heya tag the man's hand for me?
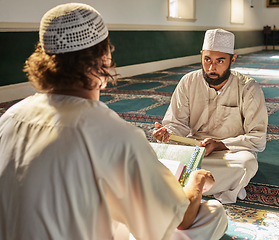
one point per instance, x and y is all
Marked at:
(211, 145)
(160, 133)
(199, 182)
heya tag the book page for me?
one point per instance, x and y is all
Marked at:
(175, 167)
(189, 157)
(179, 153)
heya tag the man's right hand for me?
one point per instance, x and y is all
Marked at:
(199, 181)
(160, 133)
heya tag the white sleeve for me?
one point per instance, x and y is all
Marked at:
(148, 199)
(176, 119)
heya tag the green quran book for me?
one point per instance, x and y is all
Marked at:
(179, 159)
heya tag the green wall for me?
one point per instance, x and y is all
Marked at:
(15, 48)
(131, 47)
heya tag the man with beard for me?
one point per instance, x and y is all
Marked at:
(225, 111)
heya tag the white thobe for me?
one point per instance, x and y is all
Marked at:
(236, 115)
(71, 168)
(210, 224)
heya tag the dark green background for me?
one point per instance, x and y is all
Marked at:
(131, 47)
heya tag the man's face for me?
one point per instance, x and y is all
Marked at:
(216, 66)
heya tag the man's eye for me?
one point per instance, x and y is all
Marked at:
(220, 61)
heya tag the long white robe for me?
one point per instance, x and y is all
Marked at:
(236, 115)
(71, 168)
(210, 224)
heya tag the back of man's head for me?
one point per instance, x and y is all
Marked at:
(71, 27)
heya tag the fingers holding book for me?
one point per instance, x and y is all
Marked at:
(209, 182)
(160, 133)
(201, 179)
(193, 190)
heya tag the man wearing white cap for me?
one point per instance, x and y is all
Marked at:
(71, 168)
(223, 109)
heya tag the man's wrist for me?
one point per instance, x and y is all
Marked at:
(220, 145)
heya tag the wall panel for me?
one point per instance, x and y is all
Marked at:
(132, 47)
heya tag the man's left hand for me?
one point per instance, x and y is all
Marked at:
(211, 145)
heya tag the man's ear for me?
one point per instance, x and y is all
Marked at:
(233, 59)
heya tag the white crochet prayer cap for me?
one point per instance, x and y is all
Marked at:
(219, 40)
(71, 27)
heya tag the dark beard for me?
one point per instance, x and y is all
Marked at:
(219, 80)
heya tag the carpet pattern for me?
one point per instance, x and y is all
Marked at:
(142, 100)
(251, 223)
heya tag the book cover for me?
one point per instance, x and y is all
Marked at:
(180, 159)
(175, 139)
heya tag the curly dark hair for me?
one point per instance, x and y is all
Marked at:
(69, 70)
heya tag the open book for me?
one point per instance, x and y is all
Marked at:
(179, 159)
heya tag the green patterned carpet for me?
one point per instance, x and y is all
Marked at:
(143, 99)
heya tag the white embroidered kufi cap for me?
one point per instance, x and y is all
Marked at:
(219, 40)
(71, 27)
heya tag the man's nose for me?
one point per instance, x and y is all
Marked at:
(212, 67)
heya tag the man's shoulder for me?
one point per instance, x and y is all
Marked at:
(246, 83)
(197, 72)
(192, 75)
(243, 79)
(190, 81)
